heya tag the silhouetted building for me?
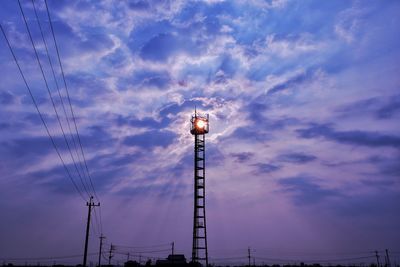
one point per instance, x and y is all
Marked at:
(131, 264)
(173, 260)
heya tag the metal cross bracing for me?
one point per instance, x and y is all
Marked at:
(199, 251)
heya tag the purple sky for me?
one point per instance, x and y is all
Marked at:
(303, 150)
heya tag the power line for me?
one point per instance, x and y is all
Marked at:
(101, 224)
(308, 253)
(94, 228)
(97, 222)
(73, 117)
(229, 258)
(316, 260)
(51, 97)
(47, 258)
(142, 251)
(57, 85)
(54, 107)
(40, 114)
(144, 247)
(69, 100)
(137, 255)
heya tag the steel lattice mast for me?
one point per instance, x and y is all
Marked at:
(199, 127)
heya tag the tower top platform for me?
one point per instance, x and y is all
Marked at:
(199, 123)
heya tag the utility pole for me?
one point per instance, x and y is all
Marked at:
(101, 247)
(110, 255)
(387, 258)
(90, 204)
(172, 251)
(128, 257)
(377, 258)
(249, 255)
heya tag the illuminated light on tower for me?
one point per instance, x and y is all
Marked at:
(199, 127)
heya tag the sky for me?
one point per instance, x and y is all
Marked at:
(302, 157)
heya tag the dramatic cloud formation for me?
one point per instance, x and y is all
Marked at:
(303, 150)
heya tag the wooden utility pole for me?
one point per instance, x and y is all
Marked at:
(387, 258)
(90, 204)
(377, 258)
(110, 255)
(249, 255)
(101, 247)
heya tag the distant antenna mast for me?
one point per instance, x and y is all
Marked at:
(199, 128)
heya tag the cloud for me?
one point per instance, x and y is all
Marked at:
(150, 78)
(263, 168)
(146, 122)
(290, 47)
(6, 98)
(165, 45)
(375, 183)
(34, 145)
(268, 4)
(387, 166)
(359, 106)
(140, 5)
(367, 205)
(250, 134)
(160, 47)
(151, 139)
(242, 157)
(378, 107)
(296, 158)
(4, 126)
(305, 191)
(390, 109)
(176, 191)
(356, 137)
(215, 157)
(289, 83)
(348, 24)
